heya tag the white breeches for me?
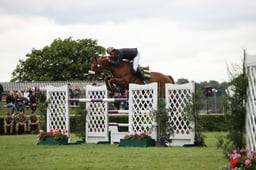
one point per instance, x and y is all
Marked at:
(136, 61)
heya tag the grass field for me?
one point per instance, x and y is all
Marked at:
(21, 152)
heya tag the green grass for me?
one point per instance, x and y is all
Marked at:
(21, 152)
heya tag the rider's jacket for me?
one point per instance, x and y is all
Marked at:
(125, 53)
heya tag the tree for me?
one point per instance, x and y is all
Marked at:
(235, 112)
(193, 112)
(164, 127)
(63, 60)
(182, 81)
(214, 102)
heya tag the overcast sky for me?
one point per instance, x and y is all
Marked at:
(192, 39)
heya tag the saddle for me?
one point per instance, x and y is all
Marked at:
(146, 71)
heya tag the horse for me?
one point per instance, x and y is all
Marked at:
(122, 74)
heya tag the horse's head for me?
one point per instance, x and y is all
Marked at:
(98, 64)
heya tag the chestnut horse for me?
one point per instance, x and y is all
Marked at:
(122, 74)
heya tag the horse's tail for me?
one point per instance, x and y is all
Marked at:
(171, 78)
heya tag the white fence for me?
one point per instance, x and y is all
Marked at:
(58, 109)
(179, 101)
(143, 101)
(250, 62)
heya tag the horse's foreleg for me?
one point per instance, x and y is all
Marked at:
(119, 81)
(111, 85)
(107, 82)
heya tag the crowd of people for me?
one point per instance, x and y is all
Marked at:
(16, 119)
(22, 108)
(20, 100)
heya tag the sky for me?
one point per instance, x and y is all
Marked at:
(193, 39)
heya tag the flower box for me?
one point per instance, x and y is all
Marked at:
(53, 137)
(137, 142)
(51, 141)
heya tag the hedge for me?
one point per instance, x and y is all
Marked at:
(212, 122)
(209, 122)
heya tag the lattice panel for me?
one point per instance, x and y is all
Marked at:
(179, 100)
(251, 103)
(142, 103)
(97, 117)
(57, 110)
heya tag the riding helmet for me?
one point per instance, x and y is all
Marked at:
(110, 49)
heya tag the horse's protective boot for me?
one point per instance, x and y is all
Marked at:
(140, 75)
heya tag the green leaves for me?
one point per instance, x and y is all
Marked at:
(60, 61)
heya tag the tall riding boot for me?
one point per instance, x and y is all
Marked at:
(139, 73)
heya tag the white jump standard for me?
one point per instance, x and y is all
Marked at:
(142, 101)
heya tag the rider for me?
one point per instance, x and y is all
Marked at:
(129, 54)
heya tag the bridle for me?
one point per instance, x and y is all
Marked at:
(97, 67)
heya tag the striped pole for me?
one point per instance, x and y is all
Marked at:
(118, 124)
(97, 100)
(118, 111)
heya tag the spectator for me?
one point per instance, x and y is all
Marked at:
(43, 97)
(10, 101)
(33, 123)
(126, 103)
(38, 93)
(29, 91)
(1, 92)
(21, 122)
(19, 103)
(77, 93)
(121, 90)
(111, 105)
(8, 123)
(117, 104)
(33, 101)
(71, 93)
(27, 95)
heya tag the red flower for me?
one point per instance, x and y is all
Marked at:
(233, 163)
